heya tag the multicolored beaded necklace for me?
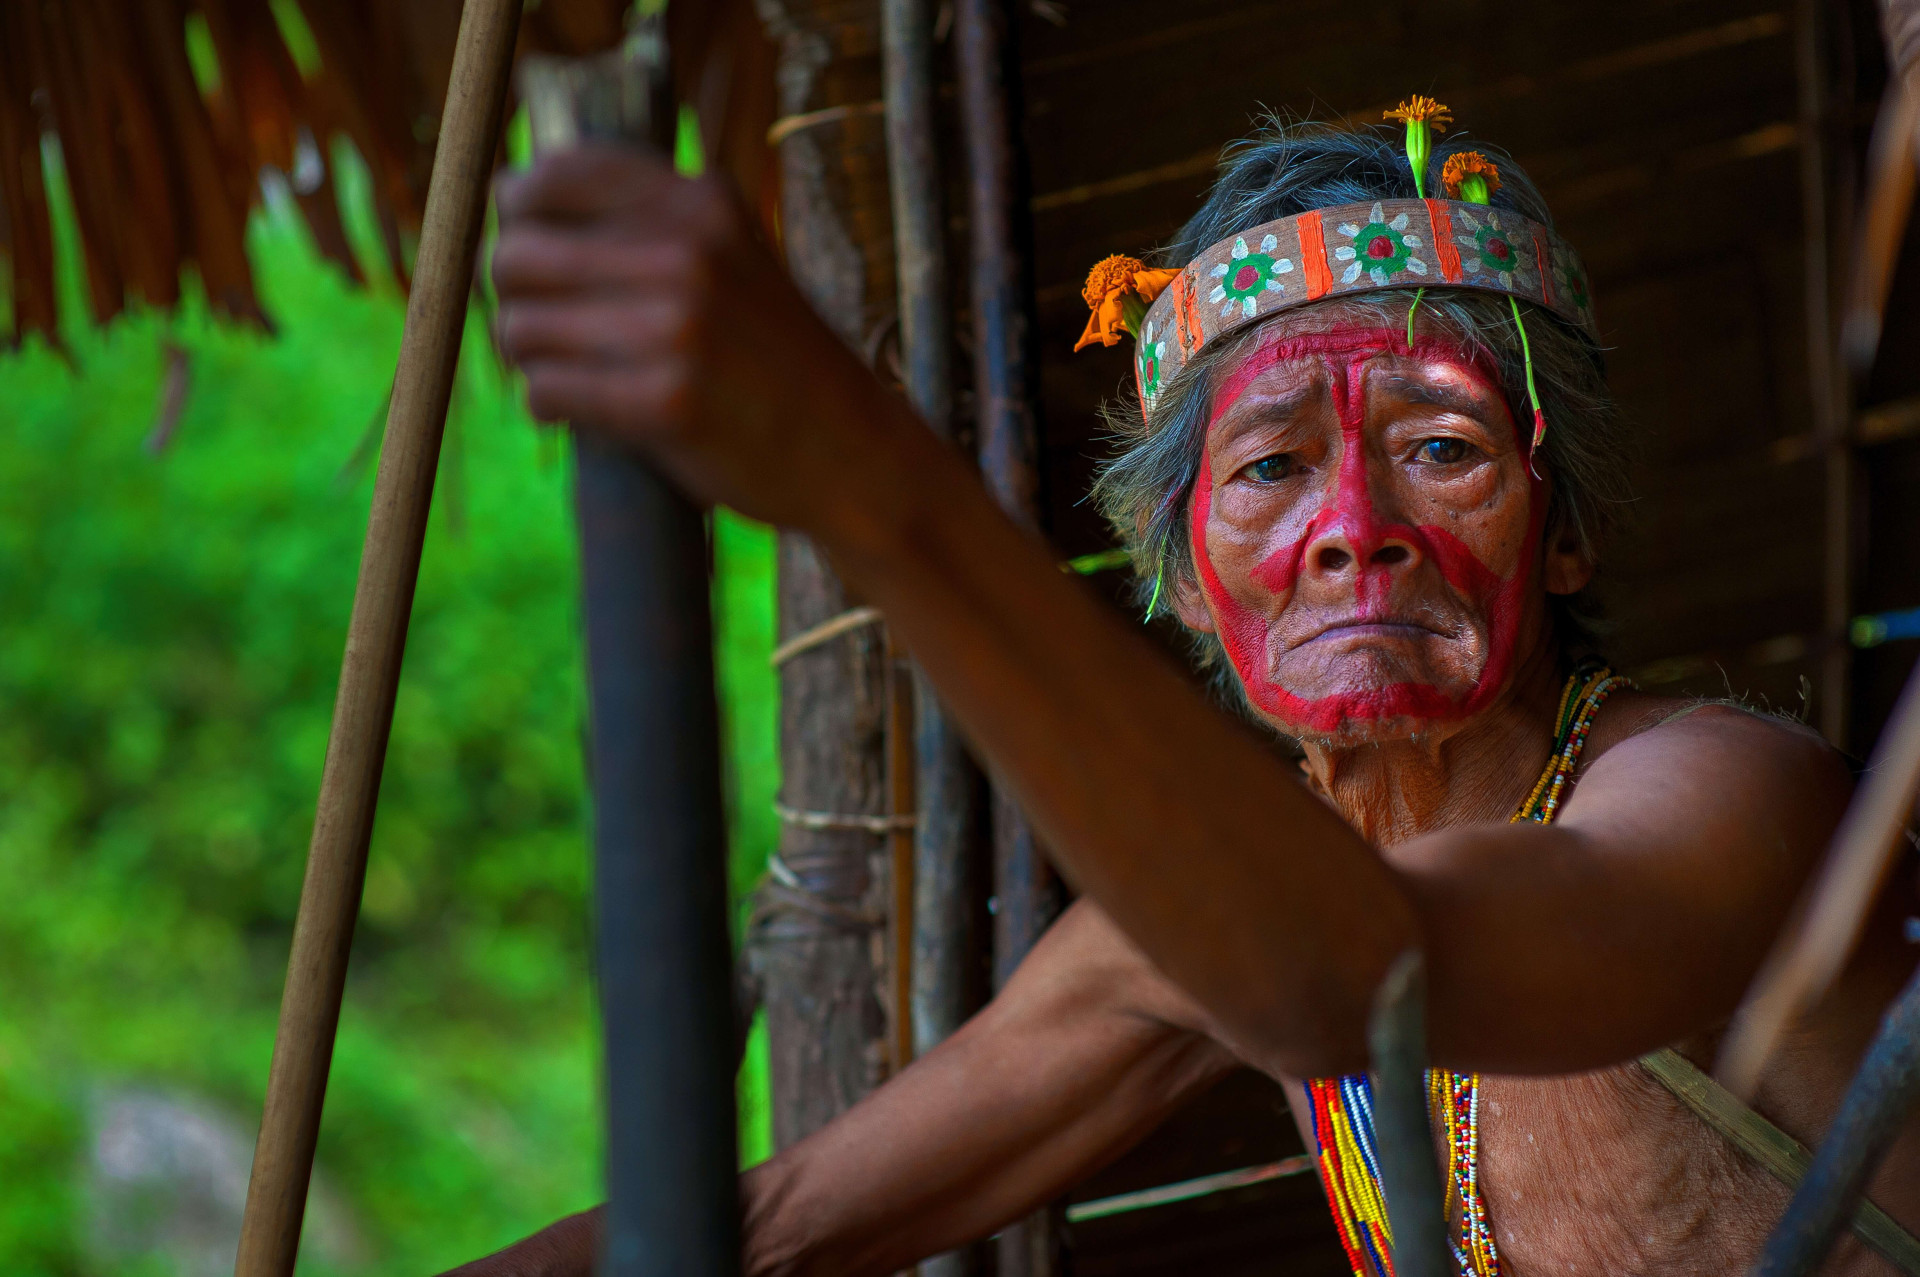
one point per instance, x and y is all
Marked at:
(1343, 1106)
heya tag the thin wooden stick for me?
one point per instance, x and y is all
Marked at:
(376, 639)
(1811, 952)
(1883, 221)
(901, 802)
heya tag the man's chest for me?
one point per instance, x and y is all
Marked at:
(1607, 1173)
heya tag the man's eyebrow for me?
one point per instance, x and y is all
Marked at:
(1284, 404)
(1425, 392)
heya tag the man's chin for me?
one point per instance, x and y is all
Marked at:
(1366, 711)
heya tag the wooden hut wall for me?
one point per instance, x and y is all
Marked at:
(1666, 136)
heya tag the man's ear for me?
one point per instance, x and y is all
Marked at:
(1188, 604)
(1567, 569)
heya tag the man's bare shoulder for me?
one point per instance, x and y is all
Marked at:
(1711, 755)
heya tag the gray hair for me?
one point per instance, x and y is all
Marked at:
(1145, 486)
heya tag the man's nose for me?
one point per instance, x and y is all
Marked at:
(1353, 540)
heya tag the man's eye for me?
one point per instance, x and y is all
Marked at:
(1271, 469)
(1443, 451)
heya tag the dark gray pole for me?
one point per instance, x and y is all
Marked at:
(660, 891)
(1409, 1166)
(1871, 1115)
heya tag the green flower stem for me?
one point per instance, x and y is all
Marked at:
(1419, 147)
(1526, 352)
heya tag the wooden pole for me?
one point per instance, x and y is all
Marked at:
(1024, 885)
(813, 950)
(376, 640)
(1891, 162)
(1809, 955)
(945, 881)
(1883, 221)
(903, 805)
(1826, 387)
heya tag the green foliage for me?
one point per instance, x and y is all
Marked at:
(175, 625)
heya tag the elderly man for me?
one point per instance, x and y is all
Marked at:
(1369, 470)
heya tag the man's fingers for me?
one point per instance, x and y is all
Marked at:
(587, 181)
(637, 330)
(650, 401)
(533, 260)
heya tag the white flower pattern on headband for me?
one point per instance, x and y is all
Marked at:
(1570, 280)
(1248, 275)
(1493, 249)
(1380, 248)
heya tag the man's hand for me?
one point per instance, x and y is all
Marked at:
(1086, 1050)
(564, 1249)
(640, 304)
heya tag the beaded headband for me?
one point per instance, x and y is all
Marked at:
(1351, 249)
(1460, 242)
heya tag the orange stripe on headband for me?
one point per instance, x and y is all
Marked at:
(1313, 256)
(1546, 275)
(1186, 316)
(1444, 249)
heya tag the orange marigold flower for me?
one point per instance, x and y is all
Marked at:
(1459, 170)
(1119, 290)
(1108, 274)
(1421, 110)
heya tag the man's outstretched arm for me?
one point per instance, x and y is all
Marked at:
(1085, 1051)
(636, 301)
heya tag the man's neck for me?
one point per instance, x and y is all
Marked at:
(1476, 770)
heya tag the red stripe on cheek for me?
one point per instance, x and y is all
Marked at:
(1241, 632)
(1246, 635)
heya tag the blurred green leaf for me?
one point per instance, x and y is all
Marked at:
(173, 634)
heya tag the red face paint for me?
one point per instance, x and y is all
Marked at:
(1253, 635)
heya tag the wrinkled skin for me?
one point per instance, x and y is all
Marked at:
(1374, 559)
(1365, 531)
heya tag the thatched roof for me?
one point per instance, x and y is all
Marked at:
(166, 113)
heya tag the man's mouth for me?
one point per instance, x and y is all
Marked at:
(1378, 627)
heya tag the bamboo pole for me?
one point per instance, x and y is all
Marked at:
(376, 640)
(903, 806)
(1883, 221)
(817, 966)
(1825, 385)
(1810, 954)
(999, 230)
(944, 783)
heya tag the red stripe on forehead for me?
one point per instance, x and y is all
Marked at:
(1352, 346)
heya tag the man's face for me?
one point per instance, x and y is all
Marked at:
(1364, 530)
